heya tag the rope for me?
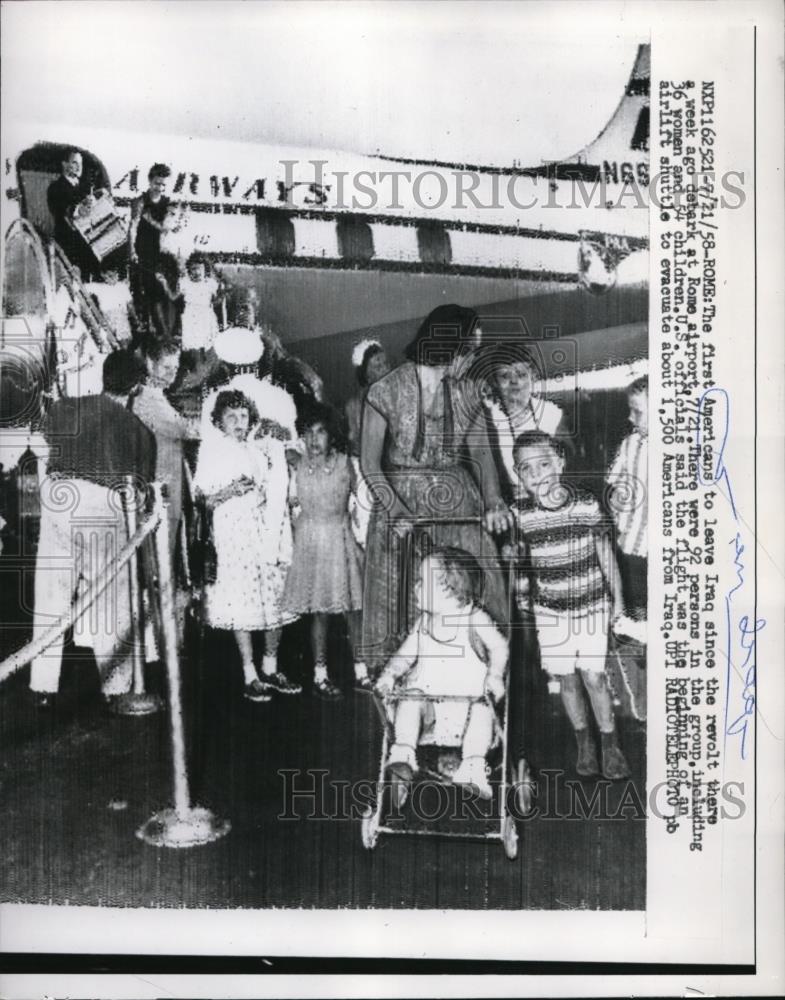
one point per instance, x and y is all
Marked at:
(35, 647)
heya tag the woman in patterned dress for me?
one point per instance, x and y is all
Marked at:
(428, 473)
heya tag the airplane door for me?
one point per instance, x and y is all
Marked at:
(37, 167)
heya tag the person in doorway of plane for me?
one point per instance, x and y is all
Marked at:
(68, 196)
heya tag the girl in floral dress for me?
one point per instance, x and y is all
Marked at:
(273, 438)
(326, 575)
(232, 475)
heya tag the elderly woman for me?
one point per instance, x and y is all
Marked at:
(507, 377)
(427, 473)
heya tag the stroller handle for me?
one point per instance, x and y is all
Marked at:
(381, 702)
(421, 521)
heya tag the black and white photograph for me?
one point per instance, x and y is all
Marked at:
(325, 469)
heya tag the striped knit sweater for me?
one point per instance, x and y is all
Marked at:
(557, 551)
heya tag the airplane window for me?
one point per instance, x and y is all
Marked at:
(355, 239)
(274, 234)
(434, 244)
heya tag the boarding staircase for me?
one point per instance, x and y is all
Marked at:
(43, 301)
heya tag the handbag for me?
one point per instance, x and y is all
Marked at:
(204, 569)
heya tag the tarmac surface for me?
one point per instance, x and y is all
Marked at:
(76, 783)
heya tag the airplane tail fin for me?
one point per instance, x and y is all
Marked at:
(626, 135)
(621, 150)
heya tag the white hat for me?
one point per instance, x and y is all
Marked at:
(359, 351)
(239, 346)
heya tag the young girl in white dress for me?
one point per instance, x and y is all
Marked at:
(233, 476)
(273, 437)
(200, 322)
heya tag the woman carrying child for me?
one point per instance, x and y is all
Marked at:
(326, 575)
(455, 651)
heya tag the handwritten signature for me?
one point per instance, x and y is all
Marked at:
(714, 408)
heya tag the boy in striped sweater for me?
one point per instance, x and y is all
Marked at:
(570, 580)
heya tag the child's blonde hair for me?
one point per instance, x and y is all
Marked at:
(463, 576)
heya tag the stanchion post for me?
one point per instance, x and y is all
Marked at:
(185, 825)
(137, 701)
(169, 629)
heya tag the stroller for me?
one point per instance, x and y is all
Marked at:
(438, 756)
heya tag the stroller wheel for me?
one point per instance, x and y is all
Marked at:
(510, 838)
(369, 829)
(524, 788)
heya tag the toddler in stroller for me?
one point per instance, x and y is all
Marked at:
(442, 678)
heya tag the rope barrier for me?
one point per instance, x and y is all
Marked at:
(185, 825)
(37, 646)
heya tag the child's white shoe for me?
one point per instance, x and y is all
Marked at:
(631, 628)
(401, 765)
(471, 771)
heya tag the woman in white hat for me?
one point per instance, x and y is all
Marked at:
(271, 437)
